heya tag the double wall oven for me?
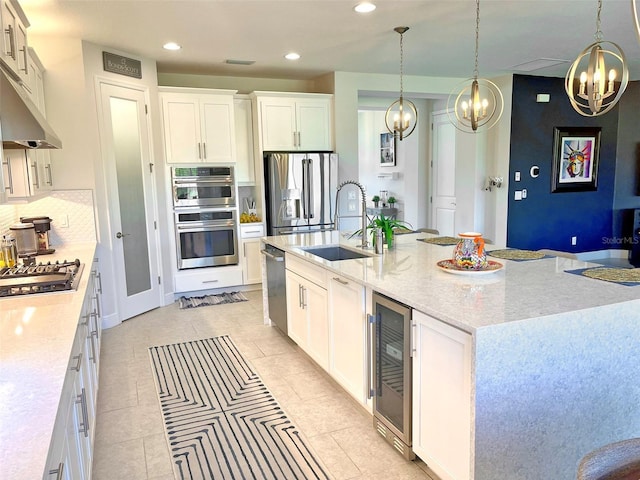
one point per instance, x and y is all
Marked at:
(204, 204)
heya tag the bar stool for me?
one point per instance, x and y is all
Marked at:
(615, 461)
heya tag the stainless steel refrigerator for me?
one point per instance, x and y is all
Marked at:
(300, 191)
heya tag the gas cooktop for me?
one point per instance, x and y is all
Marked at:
(40, 278)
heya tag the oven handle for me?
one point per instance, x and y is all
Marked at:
(204, 228)
(202, 181)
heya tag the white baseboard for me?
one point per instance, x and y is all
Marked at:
(109, 321)
(612, 253)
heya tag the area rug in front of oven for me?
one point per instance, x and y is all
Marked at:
(218, 299)
(220, 419)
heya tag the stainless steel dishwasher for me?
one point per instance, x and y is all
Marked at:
(276, 286)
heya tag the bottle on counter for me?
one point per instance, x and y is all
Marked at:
(9, 251)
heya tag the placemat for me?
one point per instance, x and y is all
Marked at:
(623, 276)
(440, 240)
(516, 254)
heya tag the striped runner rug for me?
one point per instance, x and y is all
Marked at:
(221, 421)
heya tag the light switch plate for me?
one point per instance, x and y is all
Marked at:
(518, 195)
(517, 176)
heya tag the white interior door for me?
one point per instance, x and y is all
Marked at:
(443, 205)
(131, 190)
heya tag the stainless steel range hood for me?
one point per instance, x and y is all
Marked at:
(22, 126)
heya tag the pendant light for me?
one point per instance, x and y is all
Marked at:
(597, 93)
(477, 103)
(401, 117)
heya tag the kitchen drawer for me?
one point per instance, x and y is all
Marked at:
(208, 278)
(251, 230)
(311, 272)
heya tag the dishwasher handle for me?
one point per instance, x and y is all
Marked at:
(277, 258)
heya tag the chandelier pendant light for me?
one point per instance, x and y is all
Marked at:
(402, 116)
(477, 103)
(596, 88)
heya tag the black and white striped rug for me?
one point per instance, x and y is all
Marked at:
(220, 419)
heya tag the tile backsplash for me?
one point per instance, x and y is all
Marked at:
(71, 213)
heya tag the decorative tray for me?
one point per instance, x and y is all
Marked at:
(449, 266)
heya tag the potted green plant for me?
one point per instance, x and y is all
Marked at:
(392, 201)
(375, 199)
(388, 225)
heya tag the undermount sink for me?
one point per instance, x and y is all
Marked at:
(334, 253)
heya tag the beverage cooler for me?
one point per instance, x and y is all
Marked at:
(391, 325)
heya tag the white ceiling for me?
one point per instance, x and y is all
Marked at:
(330, 36)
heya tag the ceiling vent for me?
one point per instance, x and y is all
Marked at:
(231, 61)
(538, 64)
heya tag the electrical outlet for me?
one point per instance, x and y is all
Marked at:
(518, 195)
(64, 221)
(574, 240)
(517, 176)
(351, 195)
(352, 206)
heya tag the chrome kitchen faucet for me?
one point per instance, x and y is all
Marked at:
(363, 227)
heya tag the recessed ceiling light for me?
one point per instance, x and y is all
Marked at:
(171, 46)
(292, 56)
(364, 7)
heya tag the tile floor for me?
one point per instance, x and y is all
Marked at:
(130, 441)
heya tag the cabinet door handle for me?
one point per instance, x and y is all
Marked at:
(82, 401)
(79, 364)
(199, 150)
(92, 355)
(304, 297)
(34, 167)
(10, 187)
(99, 277)
(48, 169)
(414, 325)
(340, 281)
(210, 281)
(251, 231)
(57, 471)
(12, 46)
(204, 150)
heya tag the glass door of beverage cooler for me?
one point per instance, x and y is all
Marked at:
(392, 371)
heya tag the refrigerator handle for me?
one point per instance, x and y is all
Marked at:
(310, 194)
(305, 194)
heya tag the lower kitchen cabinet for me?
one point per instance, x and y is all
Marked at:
(195, 279)
(442, 434)
(348, 338)
(71, 450)
(307, 312)
(250, 253)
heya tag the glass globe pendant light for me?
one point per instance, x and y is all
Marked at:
(596, 88)
(401, 117)
(476, 105)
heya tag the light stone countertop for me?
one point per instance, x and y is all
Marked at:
(409, 274)
(36, 337)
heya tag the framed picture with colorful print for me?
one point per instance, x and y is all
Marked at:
(575, 159)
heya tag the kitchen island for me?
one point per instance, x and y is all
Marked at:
(36, 339)
(555, 364)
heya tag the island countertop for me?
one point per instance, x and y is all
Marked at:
(409, 273)
(36, 337)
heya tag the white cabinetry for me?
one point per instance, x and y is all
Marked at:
(442, 434)
(251, 258)
(198, 127)
(307, 309)
(295, 122)
(26, 173)
(348, 338)
(71, 451)
(245, 164)
(195, 279)
(13, 41)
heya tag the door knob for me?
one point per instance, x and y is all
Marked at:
(120, 234)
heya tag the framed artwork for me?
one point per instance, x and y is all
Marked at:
(575, 159)
(387, 150)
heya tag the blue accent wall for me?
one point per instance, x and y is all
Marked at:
(549, 220)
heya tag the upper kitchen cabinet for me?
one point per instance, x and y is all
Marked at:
(289, 122)
(35, 81)
(14, 52)
(245, 164)
(199, 125)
